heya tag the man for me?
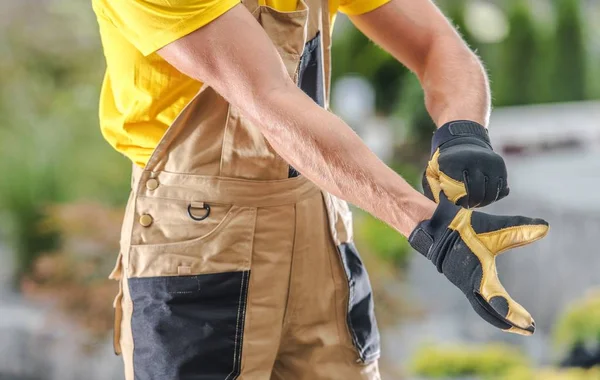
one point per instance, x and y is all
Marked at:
(237, 259)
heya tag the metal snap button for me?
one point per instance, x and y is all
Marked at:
(152, 184)
(146, 220)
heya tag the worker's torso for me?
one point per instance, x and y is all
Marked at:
(142, 95)
(215, 201)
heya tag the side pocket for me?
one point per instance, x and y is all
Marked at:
(188, 327)
(361, 311)
(117, 275)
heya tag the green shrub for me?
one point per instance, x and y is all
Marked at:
(490, 361)
(580, 324)
(383, 241)
(553, 374)
(51, 149)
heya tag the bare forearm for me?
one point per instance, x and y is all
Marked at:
(458, 88)
(325, 150)
(418, 35)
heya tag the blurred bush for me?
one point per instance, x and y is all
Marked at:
(75, 274)
(485, 362)
(492, 361)
(577, 332)
(381, 240)
(553, 374)
(51, 149)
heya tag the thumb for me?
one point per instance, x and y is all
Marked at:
(500, 233)
(500, 305)
(503, 312)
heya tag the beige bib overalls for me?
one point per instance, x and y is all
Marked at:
(232, 266)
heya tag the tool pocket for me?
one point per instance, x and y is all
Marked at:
(224, 246)
(188, 327)
(360, 317)
(188, 286)
(162, 220)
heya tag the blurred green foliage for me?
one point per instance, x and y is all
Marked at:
(552, 374)
(539, 61)
(51, 149)
(75, 279)
(490, 361)
(580, 324)
(485, 362)
(375, 237)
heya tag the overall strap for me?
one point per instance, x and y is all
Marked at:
(326, 33)
(251, 5)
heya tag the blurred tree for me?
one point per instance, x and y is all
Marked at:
(568, 79)
(513, 79)
(75, 272)
(577, 332)
(51, 149)
(356, 54)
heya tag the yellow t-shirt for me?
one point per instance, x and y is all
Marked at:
(142, 94)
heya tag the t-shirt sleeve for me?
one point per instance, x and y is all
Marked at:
(358, 7)
(151, 24)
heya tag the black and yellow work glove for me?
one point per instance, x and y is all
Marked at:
(463, 245)
(464, 166)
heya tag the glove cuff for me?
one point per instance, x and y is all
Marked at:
(420, 240)
(431, 230)
(457, 129)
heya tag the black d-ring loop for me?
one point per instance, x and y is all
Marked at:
(199, 218)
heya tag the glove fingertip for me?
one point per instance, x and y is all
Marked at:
(503, 193)
(528, 331)
(540, 221)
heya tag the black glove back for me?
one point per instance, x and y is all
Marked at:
(464, 166)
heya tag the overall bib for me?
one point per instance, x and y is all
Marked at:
(232, 265)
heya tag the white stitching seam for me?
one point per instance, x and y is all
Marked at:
(239, 352)
(237, 326)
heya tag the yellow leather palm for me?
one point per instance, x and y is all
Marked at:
(486, 246)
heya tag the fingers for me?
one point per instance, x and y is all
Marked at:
(504, 313)
(503, 188)
(517, 236)
(476, 184)
(482, 189)
(493, 186)
(500, 233)
(474, 189)
(497, 302)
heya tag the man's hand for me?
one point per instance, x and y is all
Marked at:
(463, 245)
(464, 166)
